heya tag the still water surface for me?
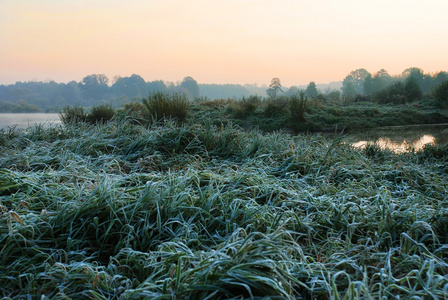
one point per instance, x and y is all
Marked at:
(402, 138)
(25, 120)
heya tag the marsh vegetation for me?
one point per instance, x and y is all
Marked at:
(170, 210)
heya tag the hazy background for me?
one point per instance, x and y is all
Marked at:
(244, 41)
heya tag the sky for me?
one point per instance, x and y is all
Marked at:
(227, 41)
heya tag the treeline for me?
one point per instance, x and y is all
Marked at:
(359, 85)
(95, 89)
(412, 84)
(92, 90)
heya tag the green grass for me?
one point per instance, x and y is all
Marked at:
(102, 113)
(119, 210)
(292, 115)
(163, 106)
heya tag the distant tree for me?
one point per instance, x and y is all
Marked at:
(274, 88)
(254, 89)
(412, 89)
(369, 87)
(223, 91)
(132, 87)
(191, 86)
(380, 81)
(293, 91)
(348, 88)
(94, 86)
(24, 107)
(440, 78)
(311, 90)
(71, 94)
(417, 72)
(424, 81)
(356, 78)
(156, 86)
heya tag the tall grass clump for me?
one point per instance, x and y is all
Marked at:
(160, 105)
(102, 113)
(72, 114)
(133, 112)
(297, 108)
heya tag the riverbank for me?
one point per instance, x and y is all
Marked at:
(126, 211)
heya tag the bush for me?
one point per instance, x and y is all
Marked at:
(246, 107)
(162, 106)
(395, 93)
(440, 93)
(275, 108)
(101, 114)
(72, 115)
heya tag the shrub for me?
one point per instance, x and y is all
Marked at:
(297, 108)
(72, 115)
(398, 93)
(333, 96)
(440, 93)
(101, 114)
(161, 106)
(246, 107)
(275, 107)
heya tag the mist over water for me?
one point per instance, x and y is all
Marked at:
(26, 120)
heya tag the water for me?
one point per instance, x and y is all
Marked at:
(25, 120)
(402, 138)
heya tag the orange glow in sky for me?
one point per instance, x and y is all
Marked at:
(231, 41)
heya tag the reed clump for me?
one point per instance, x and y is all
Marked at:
(297, 108)
(118, 210)
(102, 113)
(162, 106)
(72, 114)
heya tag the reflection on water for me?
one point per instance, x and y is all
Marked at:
(399, 147)
(404, 138)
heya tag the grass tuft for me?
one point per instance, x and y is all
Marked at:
(162, 106)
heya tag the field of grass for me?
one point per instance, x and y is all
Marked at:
(271, 115)
(125, 211)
